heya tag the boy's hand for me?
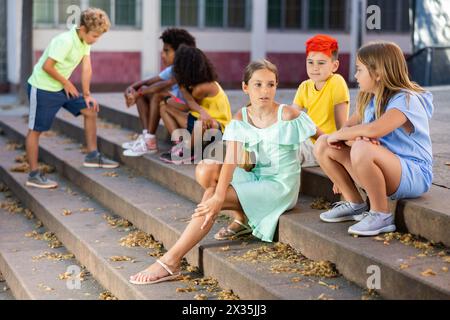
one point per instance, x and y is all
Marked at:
(70, 90)
(91, 103)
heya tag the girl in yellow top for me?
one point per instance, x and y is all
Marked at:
(209, 105)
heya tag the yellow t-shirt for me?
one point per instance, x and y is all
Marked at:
(217, 107)
(320, 104)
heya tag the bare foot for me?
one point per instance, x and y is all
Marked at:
(154, 273)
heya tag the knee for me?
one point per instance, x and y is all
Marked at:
(321, 147)
(361, 152)
(90, 114)
(206, 174)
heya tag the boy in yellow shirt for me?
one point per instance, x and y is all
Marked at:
(325, 96)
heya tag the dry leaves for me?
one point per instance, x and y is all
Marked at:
(140, 239)
(54, 256)
(117, 222)
(13, 146)
(120, 259)
(45, 288)
(112, 174)
(48, 236)
(107, 296)
(201, 297)
(66, 212)
(428, 273)
(321, 204)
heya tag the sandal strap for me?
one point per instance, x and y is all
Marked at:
(165, 267)
(242, 225)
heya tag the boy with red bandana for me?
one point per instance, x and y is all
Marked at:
(325, 96)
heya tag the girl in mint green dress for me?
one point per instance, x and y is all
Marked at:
(273, 185)
(257, 195)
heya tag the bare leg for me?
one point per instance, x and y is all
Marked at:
(90, 128)
(143, 106)
(193, 233)
(338, 167)
(32, 146)
(171, 121)
(379, 172)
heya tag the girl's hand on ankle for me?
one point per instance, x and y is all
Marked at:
(209, 209)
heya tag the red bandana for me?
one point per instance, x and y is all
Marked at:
(322, 43)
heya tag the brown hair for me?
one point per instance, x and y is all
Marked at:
(246, 162)
(386, 61)
(96, 20)
(257, 65)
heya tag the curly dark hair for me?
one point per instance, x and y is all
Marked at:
(176, 37)
(192, 67)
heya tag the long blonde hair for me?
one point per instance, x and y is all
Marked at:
(386, 61)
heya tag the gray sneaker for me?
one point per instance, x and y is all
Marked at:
(343, 211)
(41, 182)
(99, 161)
(373, 224)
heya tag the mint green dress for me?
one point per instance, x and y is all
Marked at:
(273, 186)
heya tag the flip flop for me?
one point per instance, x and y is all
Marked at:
(227, 233)
(170, 277)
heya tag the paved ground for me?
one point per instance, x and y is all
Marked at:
(440, 130)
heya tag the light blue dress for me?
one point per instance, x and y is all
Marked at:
(413, 149)
(273, 186)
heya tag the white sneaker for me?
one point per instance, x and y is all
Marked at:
(130, 144)
(139, 149)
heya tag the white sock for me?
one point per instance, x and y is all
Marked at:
(145, 132)
(357, 206)
(150, 136)
(382, 213)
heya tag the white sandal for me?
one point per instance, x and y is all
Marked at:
(170, 277)
(228, 233)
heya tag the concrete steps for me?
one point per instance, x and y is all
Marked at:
(428, 216)
(163, 214)
(401, 277)
(32, 278)
(5, 291)
(298, 230)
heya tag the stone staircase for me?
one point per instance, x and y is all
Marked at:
(158, 199)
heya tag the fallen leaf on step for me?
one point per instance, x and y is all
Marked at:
(66, 212)
(201, 297)
(447, 163)
(120, 258)
(428, 273)
(378, 238)
(107, 296)
(12, 146)
(445, 269)
(45, 288)
(184, 290)
(111, 174)
(446, 259)
(227, 248)
(296, 279)
(87, 210)
(404, 266)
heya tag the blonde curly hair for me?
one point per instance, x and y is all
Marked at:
(96, 20)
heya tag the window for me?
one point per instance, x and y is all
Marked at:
(206, 13)
(308, 14)
(122, 13)
(394, 15)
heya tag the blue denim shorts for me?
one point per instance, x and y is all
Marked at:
(44, 105)
(416, 179)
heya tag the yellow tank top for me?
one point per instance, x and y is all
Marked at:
(218, 107)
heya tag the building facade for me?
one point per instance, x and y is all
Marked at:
(231, 32)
